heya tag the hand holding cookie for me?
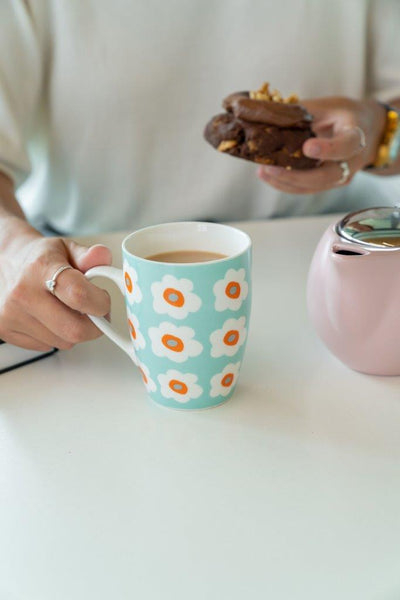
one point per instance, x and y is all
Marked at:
(304, 148)
(348, 133)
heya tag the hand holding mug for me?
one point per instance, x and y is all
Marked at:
(30, 316)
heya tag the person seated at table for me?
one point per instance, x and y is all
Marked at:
(102, 108)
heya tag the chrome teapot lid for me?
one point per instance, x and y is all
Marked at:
(378, 227)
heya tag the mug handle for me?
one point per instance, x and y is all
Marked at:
(117, 276)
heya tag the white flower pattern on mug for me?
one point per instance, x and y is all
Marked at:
(147, 380)
(174, 297)
(227, 340)
(223, 382)
(231, 291)
(132, 289)
(175, 343)
(181, 387)
(134, 329)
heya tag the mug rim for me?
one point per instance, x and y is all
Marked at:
(246, 237)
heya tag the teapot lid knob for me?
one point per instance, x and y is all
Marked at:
(378, 227)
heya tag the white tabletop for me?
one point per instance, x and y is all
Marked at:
(290, 491)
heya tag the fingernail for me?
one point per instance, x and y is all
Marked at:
(99, 246)
(270, 170)
(314, 151)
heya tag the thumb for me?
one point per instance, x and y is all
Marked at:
(84, 258)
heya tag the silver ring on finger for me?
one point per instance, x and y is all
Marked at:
(345, 172)
(51, 283)
(363, 141)
(361, 133)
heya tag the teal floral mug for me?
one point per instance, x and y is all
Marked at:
(188, 321)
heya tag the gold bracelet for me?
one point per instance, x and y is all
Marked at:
(389, 145)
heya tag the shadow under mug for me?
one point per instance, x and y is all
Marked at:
(188, 322)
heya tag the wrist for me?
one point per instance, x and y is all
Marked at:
(14, 228)
(15, 232)
(8, 203)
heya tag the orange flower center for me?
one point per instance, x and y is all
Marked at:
(128, 282)
(232, 290)
(178, 386)
(231, 338)
(174, 297)
(143, 375)
(227, 380)
(132, 329)
(172, 343)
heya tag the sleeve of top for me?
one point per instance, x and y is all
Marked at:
(383, 63)
(20, 84)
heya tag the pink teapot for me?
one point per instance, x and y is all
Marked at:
(353, 290)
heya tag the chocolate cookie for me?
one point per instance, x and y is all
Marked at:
(266, 131)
